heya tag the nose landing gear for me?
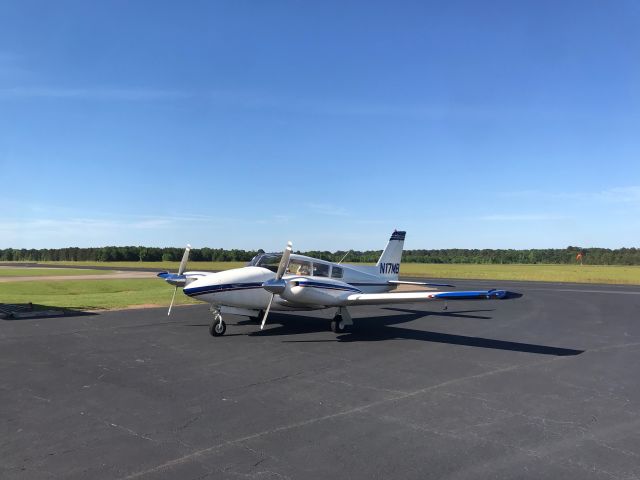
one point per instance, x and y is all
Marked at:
(217, 327)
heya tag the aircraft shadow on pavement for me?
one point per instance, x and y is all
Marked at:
(31, 311)
(385, 328)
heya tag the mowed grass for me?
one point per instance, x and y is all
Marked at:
(170, 266)
(94, 294)
(46, 272)
(122, 293)
(610, 274)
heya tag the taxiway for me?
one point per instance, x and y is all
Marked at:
(541, 387)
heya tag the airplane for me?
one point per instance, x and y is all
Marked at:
(291, 282)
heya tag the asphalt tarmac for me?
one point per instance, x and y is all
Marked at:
(546, 386)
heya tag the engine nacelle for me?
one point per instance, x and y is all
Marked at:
(313, 291)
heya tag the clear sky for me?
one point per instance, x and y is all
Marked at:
(498, 124)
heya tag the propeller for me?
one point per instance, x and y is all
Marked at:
(277, 285)
(181, 269)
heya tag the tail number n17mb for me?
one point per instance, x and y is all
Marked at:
(390, 268)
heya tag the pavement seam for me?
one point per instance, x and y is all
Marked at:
(361, 408)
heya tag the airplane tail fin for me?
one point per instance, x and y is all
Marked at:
(389, 263)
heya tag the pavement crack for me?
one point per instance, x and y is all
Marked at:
(614, 449)
(355, 385)
(534, 419)
(205, 451)
(188, 422)
(41, 398)
(128, 430)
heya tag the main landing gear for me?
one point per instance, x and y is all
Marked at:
(342, 321)
(217, 327)
(337, 325)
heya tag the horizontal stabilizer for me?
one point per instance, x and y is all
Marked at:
(419, 284)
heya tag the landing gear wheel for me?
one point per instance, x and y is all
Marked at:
(337, 325)
(217, 327)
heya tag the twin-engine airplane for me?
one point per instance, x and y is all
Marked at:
(290, 282)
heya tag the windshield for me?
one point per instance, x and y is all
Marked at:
(266, 260)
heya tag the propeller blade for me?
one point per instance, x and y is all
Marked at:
(279, 285)
(284, 261)
(172, 299)
(266, 312)
(177, 280)
(185, 258)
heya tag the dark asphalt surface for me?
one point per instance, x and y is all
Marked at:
(547, 386)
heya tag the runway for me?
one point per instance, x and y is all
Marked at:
(545, 386)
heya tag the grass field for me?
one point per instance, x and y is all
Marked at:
(552, 273)
(611, 274)
(120, 293)
(95, 294)
(45, 272)
(171, 266)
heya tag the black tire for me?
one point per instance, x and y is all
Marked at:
(337, 326)
(217, 328)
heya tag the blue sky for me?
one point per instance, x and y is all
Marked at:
(247, 124)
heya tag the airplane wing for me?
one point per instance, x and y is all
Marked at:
(420, 284)
(412, 297)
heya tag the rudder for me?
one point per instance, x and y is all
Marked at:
(389, 262)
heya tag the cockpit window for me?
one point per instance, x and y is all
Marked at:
(336, 272)
(299, 267)
(320, 270)
(266, 260)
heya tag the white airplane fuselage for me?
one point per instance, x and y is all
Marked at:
(243, 287)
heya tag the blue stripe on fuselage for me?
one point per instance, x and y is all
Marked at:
(195, 291)
(229, 287)
(328, 286)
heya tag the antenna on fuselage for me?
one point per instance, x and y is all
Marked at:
(345, 256)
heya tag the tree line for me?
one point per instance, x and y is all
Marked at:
(591, 256)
